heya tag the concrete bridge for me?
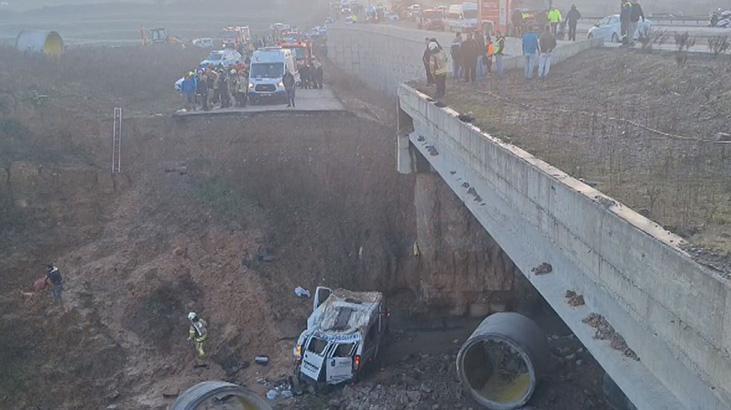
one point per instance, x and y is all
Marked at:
(672, 316)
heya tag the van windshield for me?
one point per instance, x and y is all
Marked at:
(267, 70)
(215, 56)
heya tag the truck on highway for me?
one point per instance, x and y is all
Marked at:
(344, 334)
(266, 72)
(462, 17)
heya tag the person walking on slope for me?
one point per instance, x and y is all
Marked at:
(198, 334)
(554, 18)
(439, 69)
(530, 51)
(547, 44)
(425, 60)
(290, 87)
(54, 278)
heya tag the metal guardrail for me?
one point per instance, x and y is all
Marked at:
(690, 21)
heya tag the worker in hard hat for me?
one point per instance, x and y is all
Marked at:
(198, 333)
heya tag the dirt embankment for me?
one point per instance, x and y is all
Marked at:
(226, 218)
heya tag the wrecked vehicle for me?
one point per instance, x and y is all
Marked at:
(343, 335)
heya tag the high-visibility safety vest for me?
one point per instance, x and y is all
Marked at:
(554, 16)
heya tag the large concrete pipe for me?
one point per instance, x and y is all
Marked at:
(502, 361)
(219, 395)
(49, 43)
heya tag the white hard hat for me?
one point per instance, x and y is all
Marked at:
(433, 45)
(192, 316)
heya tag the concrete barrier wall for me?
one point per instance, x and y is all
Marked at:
(384, 56)
(674, 313)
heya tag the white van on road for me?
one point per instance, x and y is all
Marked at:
(267, 69)
(462, 17)
(344, 333)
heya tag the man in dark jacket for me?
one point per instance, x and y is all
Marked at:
(223, 81)
(517, 19)
(573, 17)
(290, 87)
(455, 51)
(203, 90)
(547, 44)
(481, 55)
(635, 15)
(425, 59)
(54, 278)
(470, 52)
(625, 17)
(317, 74)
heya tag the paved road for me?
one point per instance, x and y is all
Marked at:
(307, 101)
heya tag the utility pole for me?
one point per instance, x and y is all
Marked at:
(117, 141)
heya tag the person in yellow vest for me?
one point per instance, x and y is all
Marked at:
(554, 18)
(198, 333)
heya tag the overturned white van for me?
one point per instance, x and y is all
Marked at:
(344, 334)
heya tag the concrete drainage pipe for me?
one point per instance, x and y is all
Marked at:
(502, 361)
(212, 395)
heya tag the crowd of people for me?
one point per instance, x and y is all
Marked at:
(210, 87)
(472, 55)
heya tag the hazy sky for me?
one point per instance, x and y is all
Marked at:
(694, 7)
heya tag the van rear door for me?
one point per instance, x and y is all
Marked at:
(339, 367)
(313, 358)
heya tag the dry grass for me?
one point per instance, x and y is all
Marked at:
(634, 124)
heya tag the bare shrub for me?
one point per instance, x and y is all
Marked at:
(683, 42)
(719, 45)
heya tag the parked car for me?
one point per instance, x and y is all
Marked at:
(226, 57)
(344, 334)
(609, 29)
(205, 42)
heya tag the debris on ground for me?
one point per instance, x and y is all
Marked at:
(262, 360)
(432, 150)
(542, 269)
(574, 299)
(605, 331)
(301, 292)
